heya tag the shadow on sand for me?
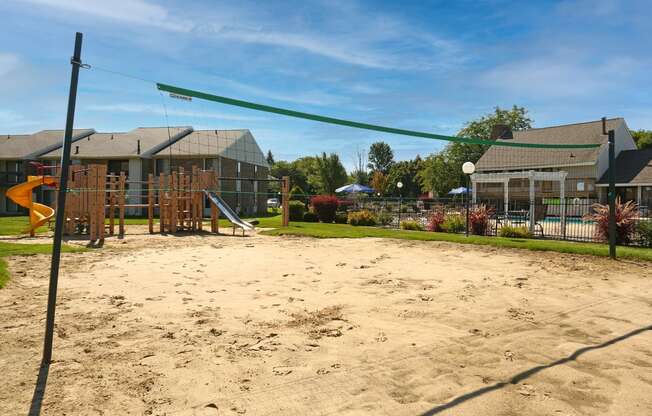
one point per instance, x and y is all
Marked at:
(530, 372)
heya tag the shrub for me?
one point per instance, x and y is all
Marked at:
(411, 225)
(310, 216)
(625, 221)
(510, 231)
(644, 231)
(453, 224)
(385, 218)
(341, 218)
(325, 206)
(436, 221)
(363, 217)
(296, 209)
(479, 219)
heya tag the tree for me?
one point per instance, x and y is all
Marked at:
(448, 167)
(381, 157)
(270, 158)
(379, 182)
(359, 173)
(435, 175)
(406, 172)
(329, 173)
(643, 138)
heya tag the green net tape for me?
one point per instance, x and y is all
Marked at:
(355, 124)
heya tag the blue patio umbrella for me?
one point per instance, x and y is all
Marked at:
(459, 191)
(354, 188)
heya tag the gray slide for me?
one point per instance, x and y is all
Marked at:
(227, 211)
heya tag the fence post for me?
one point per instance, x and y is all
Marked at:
(286, 200)
(612, 194)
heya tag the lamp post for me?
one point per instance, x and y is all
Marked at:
(468, 168)
(399, 185)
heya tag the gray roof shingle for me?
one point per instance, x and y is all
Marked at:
(32, 146)
(503, 158)
(232, 144)
(122, 145)
(632, 167)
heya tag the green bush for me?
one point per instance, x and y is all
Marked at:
(297, 209)
(310, 217)
(411, 225)
(341, 218)
(363, 217)
(453, 224)
(514, 232)
(644, 232)
(385, 218)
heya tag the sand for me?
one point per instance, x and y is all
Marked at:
(217, 325)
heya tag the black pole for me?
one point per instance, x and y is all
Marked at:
(61, 202)
(400, 203)
(467, 206)
(612, 194)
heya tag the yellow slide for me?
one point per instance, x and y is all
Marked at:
(21, 194)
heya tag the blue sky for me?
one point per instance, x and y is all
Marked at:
(426, 65)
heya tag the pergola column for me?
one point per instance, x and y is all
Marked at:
(506, 196)
(474, 191)
(639, 195)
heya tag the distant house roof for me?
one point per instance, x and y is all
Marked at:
(633, 167)
(140, 142)
(232, 144)
(32, 146)
(505, 158)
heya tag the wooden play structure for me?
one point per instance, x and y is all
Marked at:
(178, 198)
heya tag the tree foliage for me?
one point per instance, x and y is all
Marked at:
(443, 171)
(379, 182)
(643, 138)
(406, 172)
(359, 174)
(381, 157)
(329, 174)
(270, 158)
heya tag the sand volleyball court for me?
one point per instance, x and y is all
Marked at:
(214, 325)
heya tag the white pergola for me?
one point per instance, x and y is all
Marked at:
(532, 176)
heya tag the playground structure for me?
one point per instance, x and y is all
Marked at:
(97, 201)
(21, 194)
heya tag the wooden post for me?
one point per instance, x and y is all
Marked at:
(174, 202)
(286, 202)
(101, 200)
(161, 202)
(150, 203)
(91, 194)
(112, 198)
(121, 202)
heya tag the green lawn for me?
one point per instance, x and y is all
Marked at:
(17, 249)
(320, 230)
(17, 225)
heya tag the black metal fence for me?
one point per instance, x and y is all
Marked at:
(548, 218)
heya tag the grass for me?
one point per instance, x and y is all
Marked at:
(17, 249)
(320, 230)
(17, 225)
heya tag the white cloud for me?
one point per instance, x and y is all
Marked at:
(159, 110)
(558, 77)
(139, 12)
(312, 97)
(8, 63)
